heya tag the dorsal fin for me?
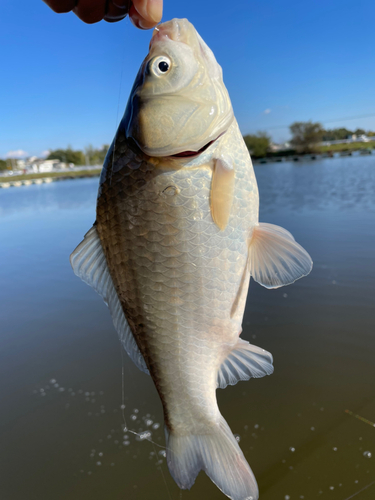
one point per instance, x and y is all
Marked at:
(244, 362)
(89, 263)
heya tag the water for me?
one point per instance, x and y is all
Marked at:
(307, 431)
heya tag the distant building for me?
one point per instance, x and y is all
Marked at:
(351, 138)
(43, 165)
(359, 138)
(21, 164)
(279, 147)
(40, 166)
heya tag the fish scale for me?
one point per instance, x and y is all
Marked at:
(209, 262)
(174, 244)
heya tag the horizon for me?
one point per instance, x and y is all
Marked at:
(281, 64)
(20, 154)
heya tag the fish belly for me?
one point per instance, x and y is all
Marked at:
(177, 275)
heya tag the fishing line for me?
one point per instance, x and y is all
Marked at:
(122, 64)
(123, 406)
(121, 347)
(118, 107)
(123, 388)
(125, 426)
(145, 439)
(360, 491)
(162, 473)
(360, 418)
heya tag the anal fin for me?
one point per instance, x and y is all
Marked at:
(244, 361)
(275, 258)
(89, 263)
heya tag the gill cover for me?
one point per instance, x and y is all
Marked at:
(178, 102)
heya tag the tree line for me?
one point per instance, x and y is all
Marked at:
(90, 155)
(306, 137)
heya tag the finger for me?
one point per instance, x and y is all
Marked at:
(115, 12)
(124, 4)
(150, 10)
(90, 11)
(139, 21)
(61, 6)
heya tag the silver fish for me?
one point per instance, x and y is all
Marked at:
(174, 244)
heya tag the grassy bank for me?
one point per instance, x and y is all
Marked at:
(352, 146)
(63, 175)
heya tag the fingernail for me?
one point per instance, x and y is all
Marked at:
(138, 20)
(155, 10)
(114, 19)
(150, 10)
(122, 4)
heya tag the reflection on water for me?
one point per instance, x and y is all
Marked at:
(72, 427)
(337, 184)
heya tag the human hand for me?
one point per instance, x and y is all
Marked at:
(144, 14)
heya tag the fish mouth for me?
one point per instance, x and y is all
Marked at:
(175, 30)
(190, 154)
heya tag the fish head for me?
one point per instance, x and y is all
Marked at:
(179, 102)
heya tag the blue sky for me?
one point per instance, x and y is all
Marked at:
(66, 83)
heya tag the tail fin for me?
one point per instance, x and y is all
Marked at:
(219, 455)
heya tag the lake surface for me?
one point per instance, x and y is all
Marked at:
(308, 431)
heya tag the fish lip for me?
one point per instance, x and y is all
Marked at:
(169, 30)
(193, 154)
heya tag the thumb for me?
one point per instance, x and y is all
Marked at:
(148, 10)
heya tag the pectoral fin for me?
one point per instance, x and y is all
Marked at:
(222, 189)
(275, 258)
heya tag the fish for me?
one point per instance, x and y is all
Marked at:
(176, 239)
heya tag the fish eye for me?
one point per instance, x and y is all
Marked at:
(160, 65)
(163, 66)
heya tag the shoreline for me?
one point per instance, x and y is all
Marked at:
(312, 156)
(45, 178)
